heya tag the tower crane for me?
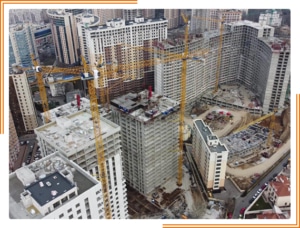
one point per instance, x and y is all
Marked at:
(97, 131)
(43, 93)
(182, 99)
(220, 43)
(255, 121)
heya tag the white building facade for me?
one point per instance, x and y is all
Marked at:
(210, 156)
(54, 188)
(73, 136)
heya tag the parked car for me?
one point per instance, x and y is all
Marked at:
(242, 211)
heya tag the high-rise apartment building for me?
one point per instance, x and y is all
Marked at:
(73, 136)
(271, 17)
(22, 44)
(21, 103)
(149, 136)
(25, 15)
(43, 36)
(210, 19)
(210, 156)
(14, 145)
(64, 30)
(125, 46)
(250, 56)
(131, 14)
(173, 17)
(55, 188)
(107, 14)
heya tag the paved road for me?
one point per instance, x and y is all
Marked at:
(243, 202)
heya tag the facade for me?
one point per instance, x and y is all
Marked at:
(124, 47)
(65, 36)
(54, 188)
(25, 15)
(271, 17)
(250, 56)
(210, 156)
(22, 43)
(131, 14)
(107, 14)
(43, 37)
(73, 136)
(21, 103)
(14, 145)
(149, 136)
(278, 192)
(210, 19)
(173, 17)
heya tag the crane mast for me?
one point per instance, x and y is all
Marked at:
(182, 100)
(102, 175)
(42, 90)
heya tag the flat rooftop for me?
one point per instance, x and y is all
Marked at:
(127, 23)
(71, 107)
(276, 44)
(74, 132)
(143, 107)
(45, 170)
(249, 23)
(50, 187)
(206, 133)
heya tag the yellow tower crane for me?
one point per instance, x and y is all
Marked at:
(42, 89)
(182, 99)
(102, 176)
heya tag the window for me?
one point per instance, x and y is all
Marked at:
(61, 215)
(71, 216)
(77, 205)
(79, 211)
(70, 210)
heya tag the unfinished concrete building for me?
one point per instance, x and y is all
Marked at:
(250, 56)
(210, 156)
(210, 19)
(73, 136)
(54, 188)
(71, 108)
(246, 142)
(149, 127)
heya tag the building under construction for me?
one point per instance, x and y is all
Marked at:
(73, 136)
(246, 142)
(149, 132)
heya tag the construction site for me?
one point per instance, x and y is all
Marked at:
(251, 138)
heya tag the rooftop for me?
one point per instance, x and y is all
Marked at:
(144, 107)
(50, 187)
(208, 135)
(249, 23)
(54, 169)
(72, 133)
(126, 24)
(276, 44)
(71, 107)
